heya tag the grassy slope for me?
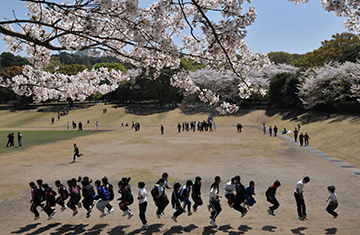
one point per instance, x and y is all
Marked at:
(336, 135)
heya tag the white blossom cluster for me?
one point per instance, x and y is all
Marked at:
(331, 83)
(44, 85)
(142, 36)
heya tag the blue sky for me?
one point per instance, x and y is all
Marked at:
(280, 26)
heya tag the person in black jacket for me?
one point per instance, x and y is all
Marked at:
(88, 194)
(196, 194)
(176, 202)
(35, 200)
(50, 201)
(270, 197)
(126, 198)
(63, 195)
(239, 197)
(74, 193)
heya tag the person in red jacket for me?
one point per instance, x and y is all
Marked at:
(50, 201)
(270, 197)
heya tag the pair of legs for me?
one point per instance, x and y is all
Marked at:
(161, 204)
(331, 207)
(197, 201)
(275, 203)
(300, 203)
(216, 209)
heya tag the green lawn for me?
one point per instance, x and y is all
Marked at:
(33, 138)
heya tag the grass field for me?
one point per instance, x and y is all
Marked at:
(115, 151)
(336, 135)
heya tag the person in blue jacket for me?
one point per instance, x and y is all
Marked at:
(104, 196)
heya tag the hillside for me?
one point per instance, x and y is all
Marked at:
(334, 134)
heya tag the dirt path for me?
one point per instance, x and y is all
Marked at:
(146, 155)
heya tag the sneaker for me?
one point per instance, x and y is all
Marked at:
(189, 213)
(63, 208)
(194, 209)
(335, 216)
(162, 213)
(305, 218)
(270, 212)
(49, 218)
(174, 218)
(243, 214)
(75, 212)
(111, 210)
(213, 223)
(158, 216)
(125, 213)
(88, 213)
(130, 215)
(53, 213)
(37, 217)
(144, 227)
(103, 214)
(301, 218)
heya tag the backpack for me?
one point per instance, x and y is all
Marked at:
(240, 193)
(155, 192)
(109, 188)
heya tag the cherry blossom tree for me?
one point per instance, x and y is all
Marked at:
(146, 37)
(142, 36)
(334, 82)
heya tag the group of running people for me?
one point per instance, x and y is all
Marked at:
(238, 197)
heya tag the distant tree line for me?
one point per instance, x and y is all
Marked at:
(289, 81)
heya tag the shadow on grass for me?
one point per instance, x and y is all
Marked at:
(38, 231)
(26, 228)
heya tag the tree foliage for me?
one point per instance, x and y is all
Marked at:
(283, 90)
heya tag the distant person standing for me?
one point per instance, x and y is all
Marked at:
(264, 128)
(9, 140)
(67, 126)
(179, 127)
(301, 139)
(298, 194)
(306, 139)
(19, 138)
(270, 131)
(296, 132)
(275, 130)
(97, 124)
(80, 126)
(162, 129)
(76, 152)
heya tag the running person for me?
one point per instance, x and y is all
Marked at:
(214, 200)
(142, 197)
(35, 200)
(74, 194)
(176, 202)
(88, 194)
(185, 196)
(126, 198)
(77, 152)
(63, 195)
(108, 187)
(50, 201)
(196, 194)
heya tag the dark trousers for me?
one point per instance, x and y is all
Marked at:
(60, 201)
(142, 210)
(197, 200)
(178, 211)
(124, 205)
(300, 203)
(48, 210)
(161, 204)
(108, 206)
(34, 210)
(72, 204)
(295, 136)
(331, 207)
(216, 209)
(230, 197)
(275, 203)
(237, 206)
(87, 202)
